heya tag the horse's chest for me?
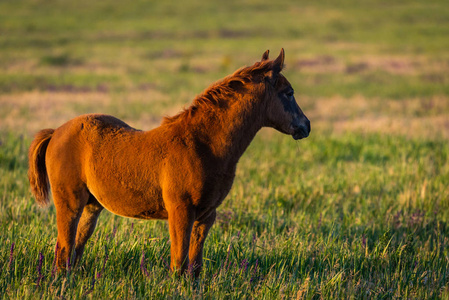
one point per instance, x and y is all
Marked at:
(218, 188)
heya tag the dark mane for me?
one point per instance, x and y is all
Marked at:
(220, 93)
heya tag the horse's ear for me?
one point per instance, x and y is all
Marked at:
(265, 55)
(278, 63)
(276, 68)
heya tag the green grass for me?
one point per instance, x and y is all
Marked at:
(345, 213)
(363, 216)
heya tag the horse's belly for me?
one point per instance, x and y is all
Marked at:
(150, 212)
(131, 204)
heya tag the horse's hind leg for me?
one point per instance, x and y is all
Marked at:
(69, 205)
(86, 225)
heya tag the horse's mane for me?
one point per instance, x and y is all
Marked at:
(218, 94)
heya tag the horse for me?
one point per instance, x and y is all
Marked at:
(180, 171)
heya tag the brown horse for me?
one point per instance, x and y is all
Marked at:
(180, 171)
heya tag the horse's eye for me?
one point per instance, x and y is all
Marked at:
(289, 94)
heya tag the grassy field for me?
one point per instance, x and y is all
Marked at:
(360, 209)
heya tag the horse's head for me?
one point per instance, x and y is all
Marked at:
(282, 111)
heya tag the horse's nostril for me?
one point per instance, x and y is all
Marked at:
(305, 125)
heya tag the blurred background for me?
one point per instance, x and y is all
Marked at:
(365, 66)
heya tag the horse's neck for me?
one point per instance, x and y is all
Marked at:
(231, 132)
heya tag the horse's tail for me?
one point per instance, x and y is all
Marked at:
(37, 172)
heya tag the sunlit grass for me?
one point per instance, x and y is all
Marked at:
(361, 215)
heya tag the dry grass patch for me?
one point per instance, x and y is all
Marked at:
(427, 118)
(400, 65)
(29, 112)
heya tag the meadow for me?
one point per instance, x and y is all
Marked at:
(360, 209)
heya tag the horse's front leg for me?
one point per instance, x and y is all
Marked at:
(199, 233)
(180, 222)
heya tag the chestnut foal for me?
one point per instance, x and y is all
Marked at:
(180, 171)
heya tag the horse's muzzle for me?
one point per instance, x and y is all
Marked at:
(301, 130)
